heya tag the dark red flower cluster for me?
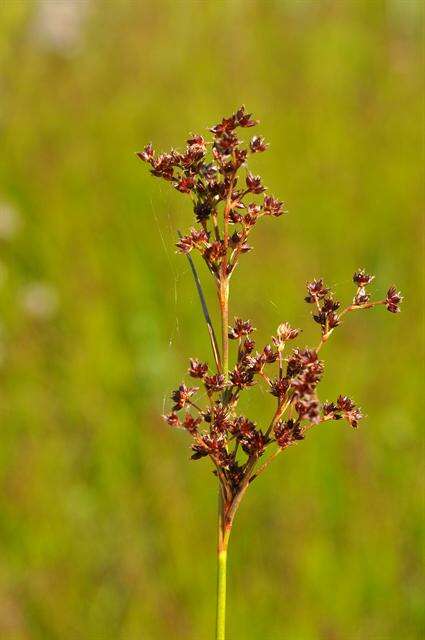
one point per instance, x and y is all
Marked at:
(181, 396)
(326, 306)
(212, 180)
(197, 369)
(327, 314)
(393, 300)
(196, 239)
(221, 198)
(287, 432)
(361, 279)
(284, 333)
(344, 407)
(240, 328)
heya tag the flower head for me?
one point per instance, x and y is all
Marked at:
(215, 383)
(240, 328)
(316, 290)
(196, 239)
(393, 300)
(284, 333)
(286, 432)
(258, 144)
(182, 395)
(197, 369)
(361, 278)
(273, 207)
(254, 183)
(349, 410)
(223, 193)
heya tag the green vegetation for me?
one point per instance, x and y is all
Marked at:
(106, 532)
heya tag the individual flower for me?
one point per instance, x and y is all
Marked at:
(326, 316)
(330, 411)
(209, 171)
(196, 147)
(349, 410)
(213, 445)
(273, 207)
(240, 156)
(279, 387)
(195, 239)
(214, 383)
(172, 419)
(218, 416)
(362, 297)
(197, 369)
(258, 144)
(202, 210)
(240, 328)
(254, 443)
(316, 290)
(147, 154)
(254, 183)
(302, 359)
(251, 217)
(241, 377)
(163, 166)
(284, 333)
(393, 300)
(238, 241)
(200, 450)
(248, 346)
(361, 278)
(235, 217)
(182, 395)
(242, 427)
(269, 356)
(254, 362)
(190, 423)
(244, 119)
(286, 432)
(308, 408)
(253, 210)
(213, 254)
(185, 184)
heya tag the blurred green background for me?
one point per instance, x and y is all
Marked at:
(107, 531)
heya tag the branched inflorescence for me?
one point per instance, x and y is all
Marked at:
(228, 201)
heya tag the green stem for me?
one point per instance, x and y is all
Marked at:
(223, 540)
(221, 595)
(224, 523)
(223, 294)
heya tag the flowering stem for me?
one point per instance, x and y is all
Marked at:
(224, 523)
(224, 530)
(221, 595)
(233, 443)
(223, 294)
(227, 509)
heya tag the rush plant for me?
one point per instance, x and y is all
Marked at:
(228, 201)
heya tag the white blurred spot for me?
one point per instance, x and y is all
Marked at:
(58, 23)
(39, 300)
(10, 221)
